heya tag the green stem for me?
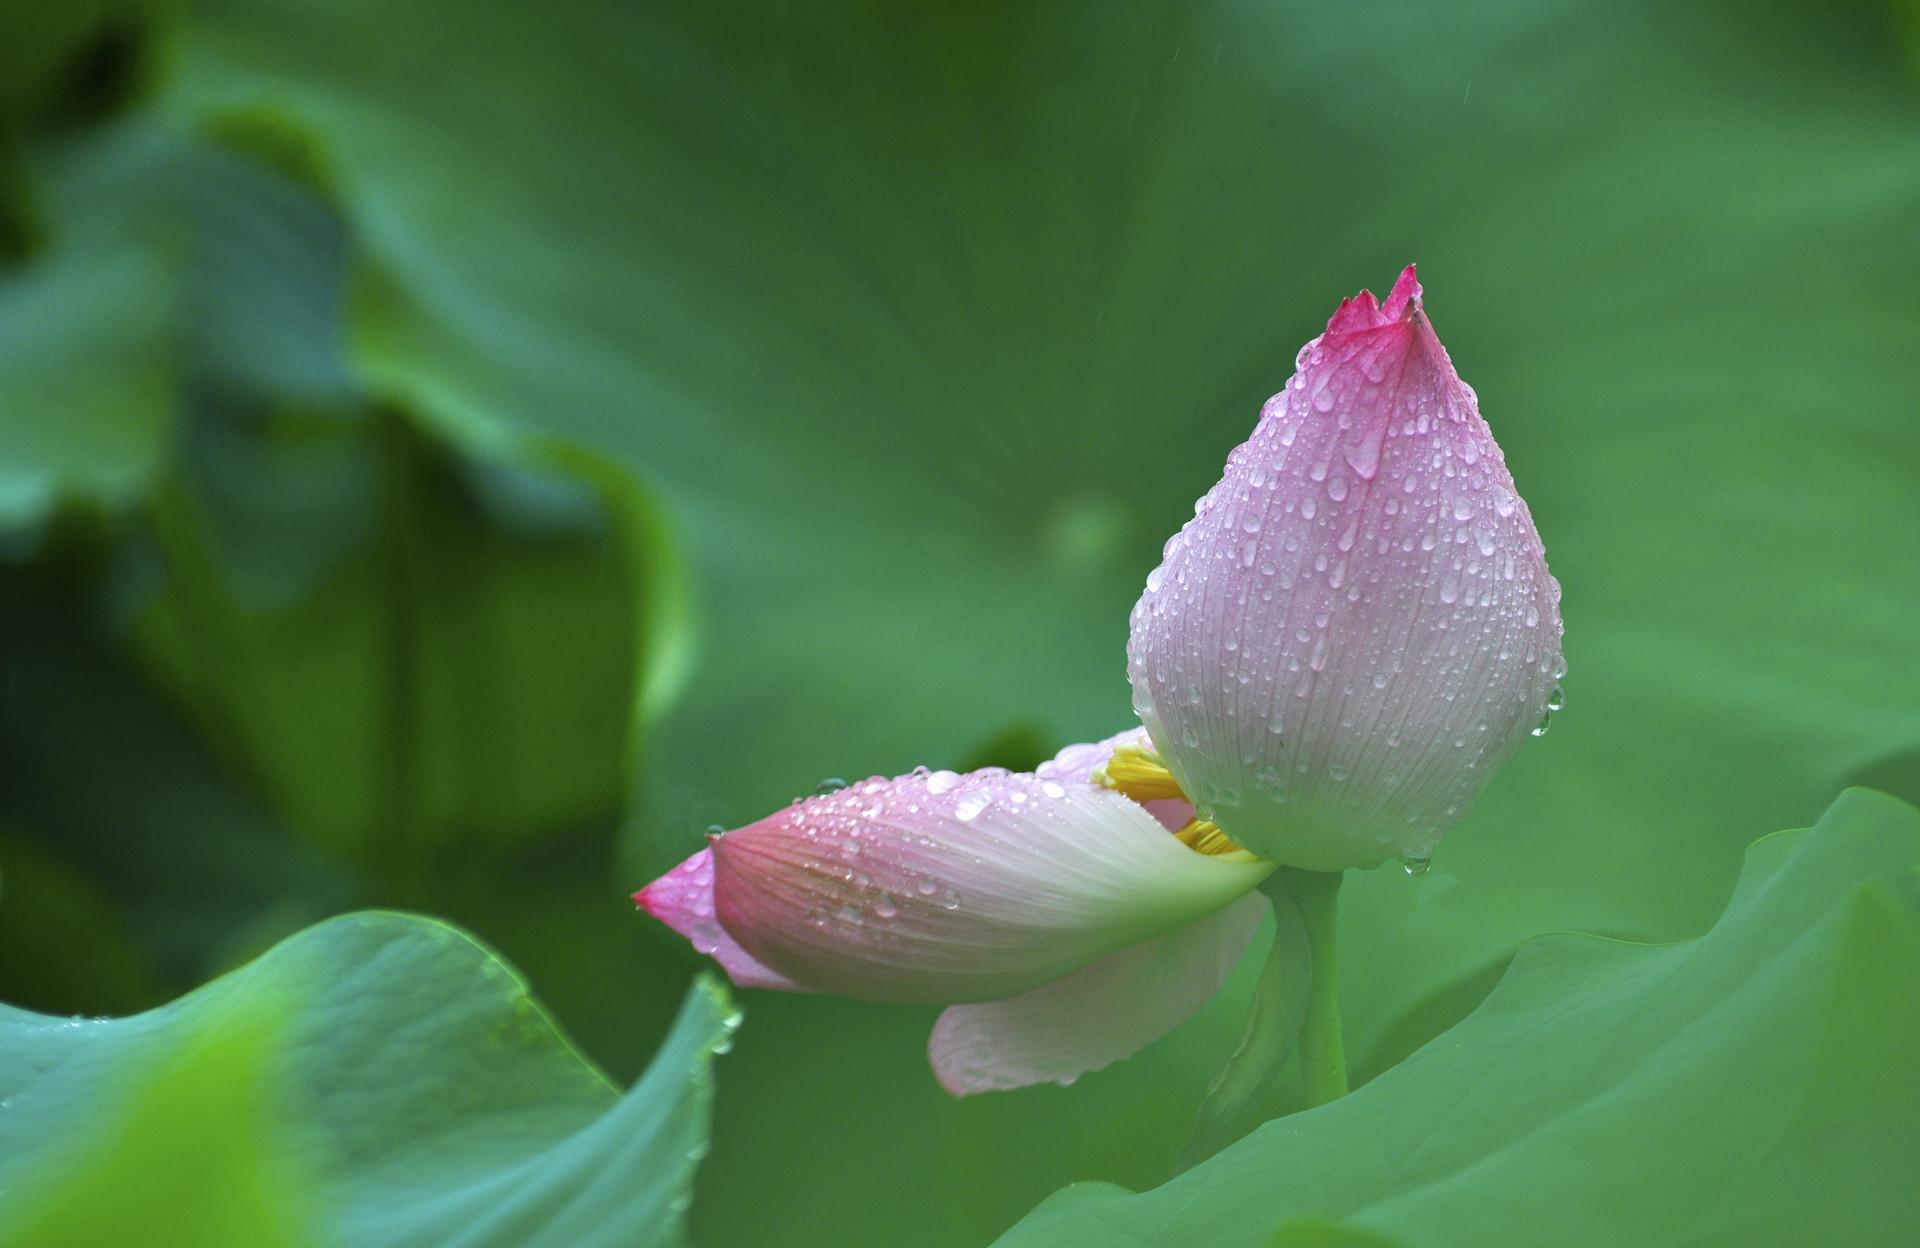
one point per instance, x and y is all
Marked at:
(1323, 1057)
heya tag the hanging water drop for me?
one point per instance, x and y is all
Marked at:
(1555, 701)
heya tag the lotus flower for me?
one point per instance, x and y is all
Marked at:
(1354, 629)
(1357, 626)
(1065, 924)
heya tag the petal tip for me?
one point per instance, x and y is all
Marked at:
(1364, 312)
(1404, 300)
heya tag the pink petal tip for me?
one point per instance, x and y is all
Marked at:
(683, 900)
(1363, 312)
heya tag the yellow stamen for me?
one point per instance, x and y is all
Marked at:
(1137, 772)
(1206, 837)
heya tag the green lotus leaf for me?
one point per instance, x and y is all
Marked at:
(1753, 1086)
(375, 1080)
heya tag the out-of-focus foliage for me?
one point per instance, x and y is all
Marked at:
(87, 327)
(429, 446)
(375, 1080)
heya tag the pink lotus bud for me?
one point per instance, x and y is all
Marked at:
(1357, 626)
(1065, 923)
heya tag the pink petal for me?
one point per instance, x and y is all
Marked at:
(1077, 763)
(1095, 1016)
(1358, 625)
(683, 900)
(935, 888)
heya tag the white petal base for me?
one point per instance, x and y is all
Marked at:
(1099, 1014)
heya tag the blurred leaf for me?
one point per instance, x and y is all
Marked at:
(410, 1093)
(927, 327)
(415, 661)
(139, 1185)
(39, 45)
(106, 783)
(88, 329)
(1754, 1086)
(46, 902)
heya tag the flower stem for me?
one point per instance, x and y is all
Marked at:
(1323, 1058)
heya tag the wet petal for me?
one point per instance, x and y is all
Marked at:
(937, 888)
(1358, 625)
(1095, 1016)
(683, 900)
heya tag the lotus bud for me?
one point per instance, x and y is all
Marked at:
(1358, 625)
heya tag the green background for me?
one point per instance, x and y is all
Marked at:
(449, 460)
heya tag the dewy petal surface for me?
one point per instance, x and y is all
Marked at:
(1358, 625)
(1097, 1015)
(937, 888)
(683, 900)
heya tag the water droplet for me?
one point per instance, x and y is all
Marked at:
(1337, 489)
(970, 806)
(716, 829)
(832, 784)
(1555, 701)
(926, 888)
(1363, 455)
(941, 781)
(851, 915)
(884, 907)
(950, 900)
(1416, 866)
